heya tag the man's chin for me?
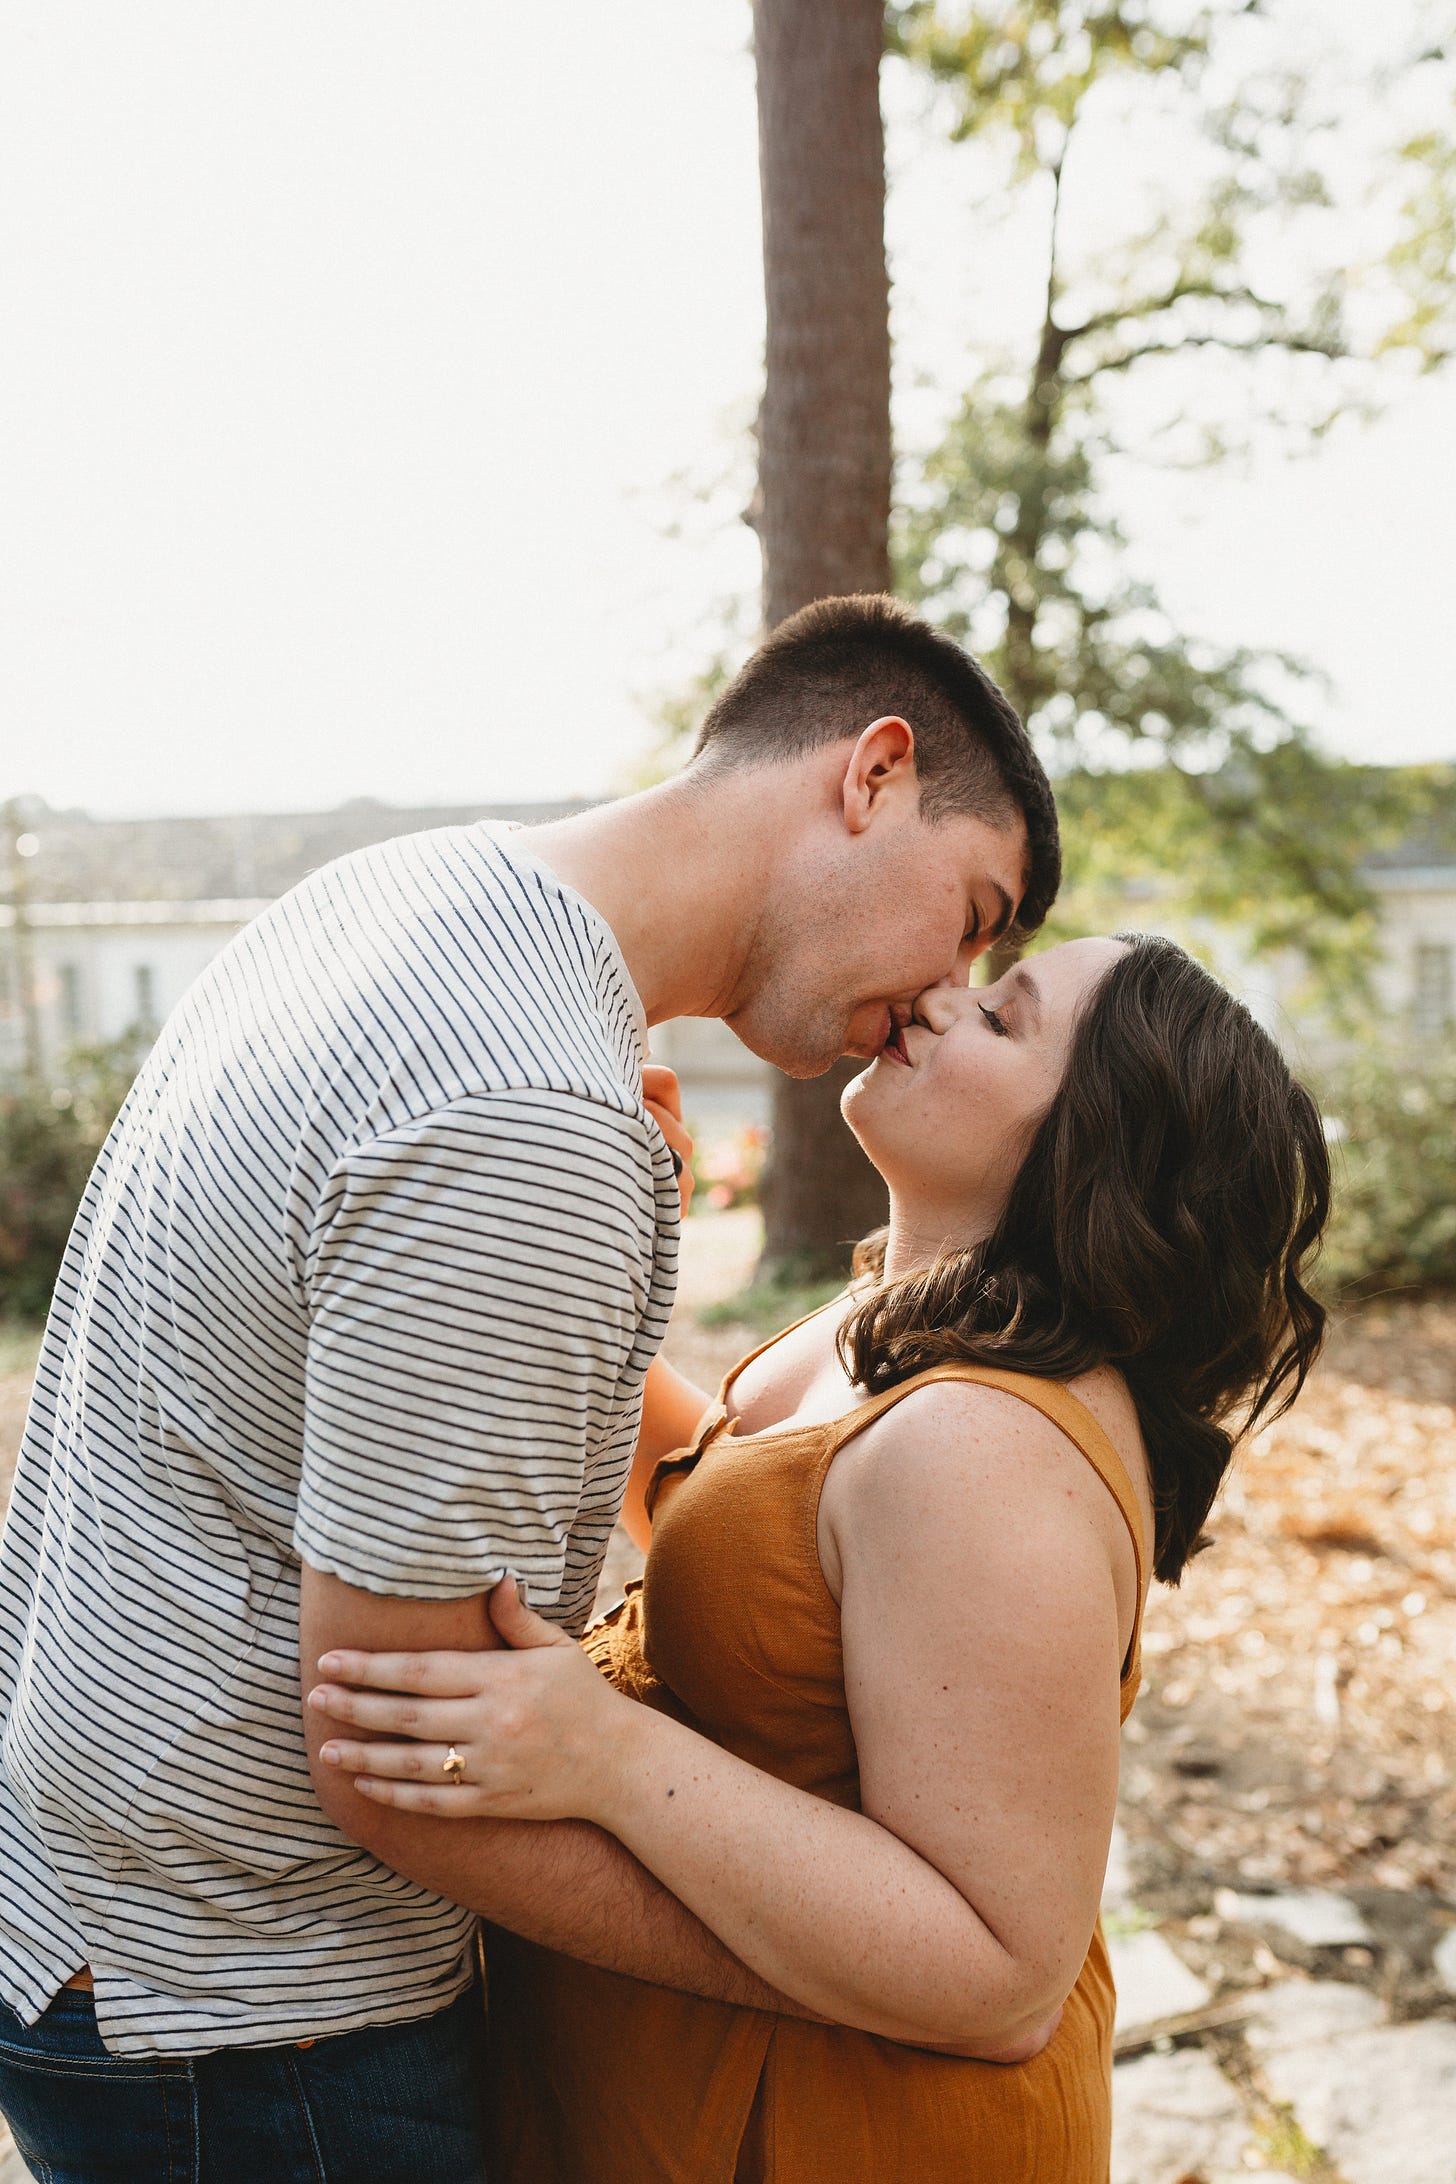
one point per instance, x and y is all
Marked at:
(794, 1059)
(798, 1066)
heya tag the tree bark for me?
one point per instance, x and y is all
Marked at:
(823, 510)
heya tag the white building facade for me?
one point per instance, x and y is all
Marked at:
(101, 970)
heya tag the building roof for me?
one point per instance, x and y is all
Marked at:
(237, 858)
(1419, 857)
(224, 910)
(1427, 855)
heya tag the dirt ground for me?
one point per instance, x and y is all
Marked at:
(1297, 1725)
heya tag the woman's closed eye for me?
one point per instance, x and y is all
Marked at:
(996, 1021)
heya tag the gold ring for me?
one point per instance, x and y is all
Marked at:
(454, 1766)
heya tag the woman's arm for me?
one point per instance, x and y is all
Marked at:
(975, 1553)
(976, 1565)
(671, 1406)
(672, 1410)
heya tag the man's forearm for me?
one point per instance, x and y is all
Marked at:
(570, 1887)
(562, 1883)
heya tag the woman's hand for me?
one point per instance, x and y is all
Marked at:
(662, 1097)
(539, 1733)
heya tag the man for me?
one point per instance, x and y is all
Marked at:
(354, 1319)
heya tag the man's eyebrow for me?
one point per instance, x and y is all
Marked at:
(1028, 985)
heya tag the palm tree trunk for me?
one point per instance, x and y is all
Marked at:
(823, 507)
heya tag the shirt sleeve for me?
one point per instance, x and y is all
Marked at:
(479, 1297)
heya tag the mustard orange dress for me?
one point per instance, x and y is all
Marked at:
(600, 2079)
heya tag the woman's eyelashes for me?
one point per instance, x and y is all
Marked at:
(995, 1021)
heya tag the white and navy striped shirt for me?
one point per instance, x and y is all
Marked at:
(369, 1273)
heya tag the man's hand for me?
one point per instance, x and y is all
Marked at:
(662, 1097)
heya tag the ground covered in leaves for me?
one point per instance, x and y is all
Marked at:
(1298, 1719)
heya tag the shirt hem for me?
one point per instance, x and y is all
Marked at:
(320, 1555)
(129, 2044)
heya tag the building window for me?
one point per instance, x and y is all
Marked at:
(1433, 983)
(146, 995)
(70, 983)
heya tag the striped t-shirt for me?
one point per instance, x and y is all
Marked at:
(369, 1272)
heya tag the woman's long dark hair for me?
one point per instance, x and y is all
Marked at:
(1161, 1222)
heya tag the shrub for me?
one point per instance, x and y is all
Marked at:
(729, 1170)
(1393, 1122)
(49, 1139)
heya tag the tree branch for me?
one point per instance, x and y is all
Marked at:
(1154, 306)
(1295, 344)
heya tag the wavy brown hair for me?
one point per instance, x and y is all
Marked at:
(1162, 1222)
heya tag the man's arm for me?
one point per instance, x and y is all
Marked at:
(472, 1299)
(562, 1883)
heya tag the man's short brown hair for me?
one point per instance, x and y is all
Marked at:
(831, 669)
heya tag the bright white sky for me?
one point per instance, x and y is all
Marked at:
(351, 348)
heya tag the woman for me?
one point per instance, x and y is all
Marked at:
(862, 1717)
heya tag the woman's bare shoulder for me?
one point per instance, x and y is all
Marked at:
(964, 1421)
(971, 1432)
(1106, 1394)
(972, 1410)
(957, 1458)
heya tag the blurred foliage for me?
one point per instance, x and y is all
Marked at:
(677, 714)
(19, 1345)
(1425, 246)
(710, 501)
(49, 1139)
(1268, 848)
(1305, 234)
(1423, 256)
(1174, 755)
(1393, 1113)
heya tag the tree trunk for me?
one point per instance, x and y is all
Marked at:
(823, 512)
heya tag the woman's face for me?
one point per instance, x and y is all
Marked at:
(946, 1112)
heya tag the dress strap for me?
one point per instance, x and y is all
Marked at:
(1067, 1413)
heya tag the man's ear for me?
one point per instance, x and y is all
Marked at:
(881, 770)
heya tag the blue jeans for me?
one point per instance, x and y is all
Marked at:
(395, 2104)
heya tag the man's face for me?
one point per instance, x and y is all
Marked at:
(865, 924)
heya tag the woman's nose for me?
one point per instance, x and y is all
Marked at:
(942, 1004)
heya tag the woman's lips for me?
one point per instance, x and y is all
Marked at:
(894, 1047)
